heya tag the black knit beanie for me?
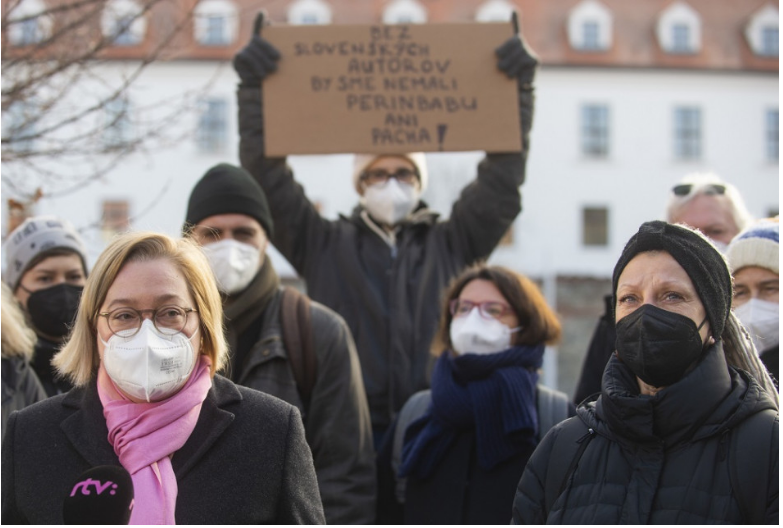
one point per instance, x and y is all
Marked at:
(226, 189)
(704, 264)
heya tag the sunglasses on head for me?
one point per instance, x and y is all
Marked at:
(684, 189)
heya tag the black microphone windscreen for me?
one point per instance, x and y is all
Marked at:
(100, 495)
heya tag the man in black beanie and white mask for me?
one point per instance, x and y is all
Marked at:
(284, 344)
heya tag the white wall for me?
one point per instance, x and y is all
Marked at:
(633, 181)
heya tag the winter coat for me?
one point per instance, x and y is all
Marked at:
(21, 387)
(47, 374)
(600, 350)
(387, 290)
(770, 358)
(660, 459)
(246, 461)
(337, 421)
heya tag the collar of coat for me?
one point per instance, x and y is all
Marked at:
(86, 427)
(421, 216)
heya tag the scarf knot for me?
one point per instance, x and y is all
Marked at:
(145, 435)
(495, 394)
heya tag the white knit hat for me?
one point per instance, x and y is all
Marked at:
(34, 236)
(362, 161)
(758, 245)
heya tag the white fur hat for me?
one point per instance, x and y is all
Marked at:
(362, 161)
(758, 246)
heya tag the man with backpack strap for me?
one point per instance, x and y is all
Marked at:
(284, 344)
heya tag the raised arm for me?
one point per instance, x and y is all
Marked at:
(488, 206)
(299, 228)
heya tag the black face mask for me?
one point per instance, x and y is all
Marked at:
(657, 345)
(52, 310)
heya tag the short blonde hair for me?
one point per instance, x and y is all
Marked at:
(79, 358)
(18, 339)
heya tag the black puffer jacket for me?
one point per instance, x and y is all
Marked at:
(388, 294)
(660, 459)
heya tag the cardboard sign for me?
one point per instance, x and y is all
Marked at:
(389, 89)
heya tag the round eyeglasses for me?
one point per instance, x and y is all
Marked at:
(487, 310)
(381, 176)
(126, 322)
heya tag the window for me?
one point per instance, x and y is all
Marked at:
(679, 29)
(19, 126)
(772, 135)
(123, 21)
(687, 133)
(213, 125)
(214, 22)
(117, 130)
(769, 38)
(762, 31)
(681, 42)
(28, 23)
(595, 131)
(494, 11)
(309, 12)
(595, 226)
(116, 216)
(590, 26)
(404, 12)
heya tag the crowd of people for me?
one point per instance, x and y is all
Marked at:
(403, 387)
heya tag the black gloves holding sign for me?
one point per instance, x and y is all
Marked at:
(259, 58)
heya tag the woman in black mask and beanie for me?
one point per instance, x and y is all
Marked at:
(46, 269)
(685, 430)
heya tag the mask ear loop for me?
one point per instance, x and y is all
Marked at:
(710, 340)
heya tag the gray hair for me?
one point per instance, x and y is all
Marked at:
(702, 183)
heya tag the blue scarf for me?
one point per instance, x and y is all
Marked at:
(493, 393)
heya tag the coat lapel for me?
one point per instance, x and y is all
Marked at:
(86, 427)
(212, 423)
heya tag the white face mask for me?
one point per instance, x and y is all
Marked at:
(149, 366)
(233, 263)
(761, 319)
(391, 202)
(473, 334)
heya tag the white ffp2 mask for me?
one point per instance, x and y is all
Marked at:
(233, 263)
(761, 320)
(150, 365)
(473, 334)
(390, 202)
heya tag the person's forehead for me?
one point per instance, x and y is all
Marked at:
(391, 161)
(703, 210)
(754, 274)
(230, 221)
(148, 281)
(653, 267)
(59, 263)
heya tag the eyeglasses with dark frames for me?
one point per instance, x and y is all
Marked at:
(684, 189)
(487, 310)
(381, 176)
(126, 322)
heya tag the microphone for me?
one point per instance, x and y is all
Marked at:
(100, 495)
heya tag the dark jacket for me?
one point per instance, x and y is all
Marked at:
(770, 358)
(660, 459)
(246, 461)
(387, 294)
(42, 365)
(21, 387)
(600, 350)
(337, 422)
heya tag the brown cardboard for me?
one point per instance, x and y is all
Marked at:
(388, 89)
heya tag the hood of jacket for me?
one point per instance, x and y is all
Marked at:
(710, 399)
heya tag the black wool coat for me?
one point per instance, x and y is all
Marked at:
(246, 461)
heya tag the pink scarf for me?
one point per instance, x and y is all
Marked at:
(145, 435)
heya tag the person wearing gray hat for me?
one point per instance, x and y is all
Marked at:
(46, 267)
(685, 430)
(284, 344)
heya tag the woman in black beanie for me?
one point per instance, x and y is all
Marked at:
(686, 428)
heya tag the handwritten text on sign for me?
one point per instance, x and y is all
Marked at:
(376, 89)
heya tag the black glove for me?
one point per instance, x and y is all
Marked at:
(516, 60)
(256, 60)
